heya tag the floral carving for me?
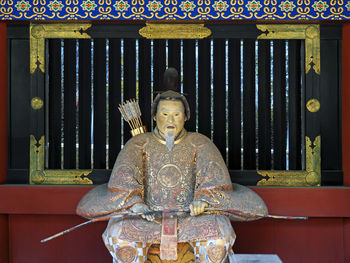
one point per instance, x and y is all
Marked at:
(55, 5)
(220, 6)
(154, 5)
(88, 5)
(287, 6)
(23, 6)
(253, 6)
(187, 6)
(121, 5)
(320, 6)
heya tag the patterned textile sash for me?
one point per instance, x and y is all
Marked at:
(168, 242)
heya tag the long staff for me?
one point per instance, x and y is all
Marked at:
(127, 214)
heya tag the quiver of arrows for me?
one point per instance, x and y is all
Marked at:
(131, 113)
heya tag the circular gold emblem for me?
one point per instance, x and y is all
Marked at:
(37, 31)
(38, 177)
(312, 178)
(311, 32)
(313, 105)
(169, 175)
(126, 254)
(37, 103)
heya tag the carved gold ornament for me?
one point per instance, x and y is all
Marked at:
(37, 103)
(313, 105)
(40, 32)
(174, 31)
(310, 177)
(311, 34)
(38, 174)
(216, 253)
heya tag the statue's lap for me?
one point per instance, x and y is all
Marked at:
(184, 254)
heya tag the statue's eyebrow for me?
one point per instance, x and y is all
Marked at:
(163, 109)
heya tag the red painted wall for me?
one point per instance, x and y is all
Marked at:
(37, 212)
(316, 240)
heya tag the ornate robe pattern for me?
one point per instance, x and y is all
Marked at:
(147, 172)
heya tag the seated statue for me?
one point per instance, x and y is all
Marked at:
(170, 169)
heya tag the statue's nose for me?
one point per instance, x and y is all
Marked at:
(170, 119)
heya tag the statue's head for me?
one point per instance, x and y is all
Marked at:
(170, 109)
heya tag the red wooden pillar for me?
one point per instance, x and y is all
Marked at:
(4, 236)
(346, 103)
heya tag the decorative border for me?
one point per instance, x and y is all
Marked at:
(38, 33)
(38, 174)
(311, 176)
(174, 10)
(311, 34)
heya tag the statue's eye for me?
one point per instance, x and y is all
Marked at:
(165, 114)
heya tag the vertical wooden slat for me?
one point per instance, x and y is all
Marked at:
(264, 108)
(55, 104)
(204, 77)
(234, 104)
(189, 80)
(159, 63)
(99, 104)
(279, 105)
(174, 54)
(114, 99)
(219, 80)
(129, 77)
(249, 140)
(69, 103)
(294, 104)
(84, 103)
(145, 81)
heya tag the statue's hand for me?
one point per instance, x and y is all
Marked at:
(198, 207)
(142, 208)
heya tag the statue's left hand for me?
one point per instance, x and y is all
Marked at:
(142, 208)
(198, 207)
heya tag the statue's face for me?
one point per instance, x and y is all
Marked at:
(170, 117)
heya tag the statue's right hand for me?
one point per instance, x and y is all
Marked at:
(142, 208)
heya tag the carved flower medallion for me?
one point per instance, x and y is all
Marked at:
(55, 5)
(187, 6)
(23, 6)
(287, 6)
(253, 6)
(121, 5)
(88, 5)
(320, 6)
(154, 5)
(220, 6)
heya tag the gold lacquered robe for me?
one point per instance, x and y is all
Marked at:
(147, 172)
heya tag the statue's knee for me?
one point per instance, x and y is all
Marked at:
(126, 253)
(216, 250)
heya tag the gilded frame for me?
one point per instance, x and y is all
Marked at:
(311, 176)
(37, 173)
